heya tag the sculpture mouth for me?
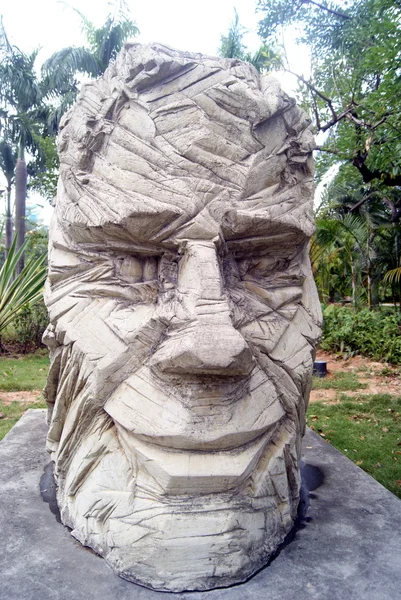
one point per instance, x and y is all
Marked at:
(173, 471)
(205, 418)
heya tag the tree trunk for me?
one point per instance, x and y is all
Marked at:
(20, 203)
(8, 220)
(353, 284)
(370, 302)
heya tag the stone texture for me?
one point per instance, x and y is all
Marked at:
(184, 317)
(347, 547)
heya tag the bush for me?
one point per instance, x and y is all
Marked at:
(375, 334)
(29, 326)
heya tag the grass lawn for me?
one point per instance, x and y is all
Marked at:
(26, 372)
(367, 429)
(21, 374)
(342, 380)
(13, 412)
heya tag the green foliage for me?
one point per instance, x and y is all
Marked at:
(372, 333)
(26, 108)
(24, 373)
(14, 411)
(30, 324)
(265, 59)
(17, 291)
(38, 241)
(354, 91)
(44, 171)
(25, 99)
(354, 245)
(367, 429)
(8, 159)
(232, 45)
(21, 374)
(103, 45)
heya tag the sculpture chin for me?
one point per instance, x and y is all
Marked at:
(182, 520)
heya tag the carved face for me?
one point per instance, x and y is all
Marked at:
(183, 318)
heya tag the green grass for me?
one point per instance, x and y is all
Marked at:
(24, 373)
(13, 412)
(345, 381)
(367, 429)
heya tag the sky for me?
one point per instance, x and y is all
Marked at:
(184, 24)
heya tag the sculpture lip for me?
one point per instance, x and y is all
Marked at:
(202, 418)
(211, 378)
(179, 471)
(230, 443)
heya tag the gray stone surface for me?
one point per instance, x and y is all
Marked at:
(348, 547)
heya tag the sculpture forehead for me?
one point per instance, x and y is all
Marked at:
(166, 139)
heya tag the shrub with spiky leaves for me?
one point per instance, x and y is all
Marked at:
(17, 291)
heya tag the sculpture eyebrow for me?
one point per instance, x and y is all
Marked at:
(116, 247)
(290, 239)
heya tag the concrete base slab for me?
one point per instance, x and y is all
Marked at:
(347, 548)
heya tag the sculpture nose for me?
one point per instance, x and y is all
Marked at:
(205, 341)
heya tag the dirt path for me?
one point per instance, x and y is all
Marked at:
(23, 397)
(368, 372)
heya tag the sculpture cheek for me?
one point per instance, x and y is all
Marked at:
(265, 332)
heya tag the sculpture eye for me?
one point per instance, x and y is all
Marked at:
(137, 269)
(262, 267)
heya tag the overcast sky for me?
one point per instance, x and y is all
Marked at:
(183, 24)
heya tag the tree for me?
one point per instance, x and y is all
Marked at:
(22, 122)
(338, 255)
(232, 46)
(354, 90)
(354, 244)
(8, 160)
(104, 43)
(29, 112)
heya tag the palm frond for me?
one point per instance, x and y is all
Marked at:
(25, 288)
(8, 160)
(392, 276)
(68, 61)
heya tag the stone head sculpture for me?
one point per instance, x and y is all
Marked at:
(183, 317)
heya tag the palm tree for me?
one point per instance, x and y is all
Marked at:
(26, 117)
(103, 45)
(232, 46)
(353, 224)
(8, 161)
(339, 247)
(21, 97)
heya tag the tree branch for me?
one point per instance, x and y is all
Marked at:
(315, 91)
(327, 9)
(316, 112)
(395, 211)
(335, 120)
(368, 175)
(329, 151)
(364, 199)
